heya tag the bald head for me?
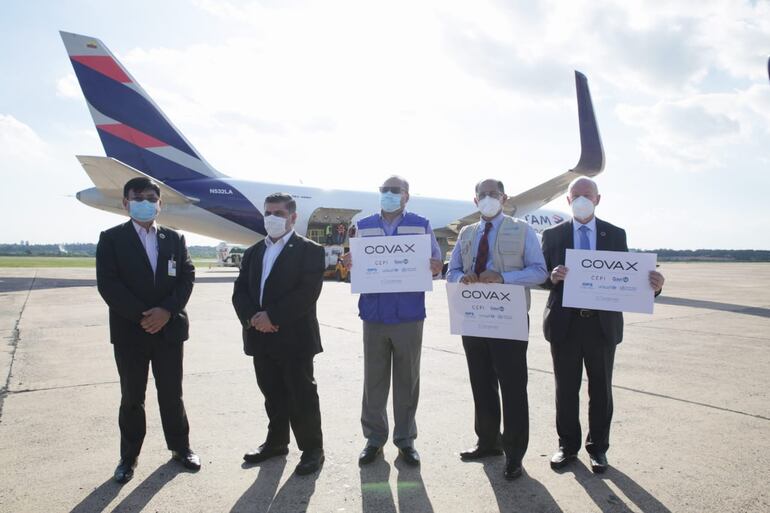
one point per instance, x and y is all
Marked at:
(583, 187)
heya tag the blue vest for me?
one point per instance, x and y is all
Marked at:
(394, 307)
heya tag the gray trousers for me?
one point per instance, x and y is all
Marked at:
(402, 345)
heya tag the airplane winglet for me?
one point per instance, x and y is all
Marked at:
(591, 161)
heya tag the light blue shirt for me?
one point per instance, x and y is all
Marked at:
(591, 225)
(534, 271)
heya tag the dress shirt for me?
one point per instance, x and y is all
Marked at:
(533, 273)
(272, 250)
(591, 225)
(149, 240)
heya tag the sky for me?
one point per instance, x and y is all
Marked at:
(342, 93)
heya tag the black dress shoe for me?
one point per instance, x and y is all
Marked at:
(513, 469)
(124, 471)
(310, 461)
(187, 458)
(599, 463)
(265, 452)
(561, 459)
(410, 455)
(369, 454)
(479, 452)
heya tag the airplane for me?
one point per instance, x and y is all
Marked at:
(140, 140)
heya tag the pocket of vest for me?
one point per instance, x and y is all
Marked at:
(509, 246)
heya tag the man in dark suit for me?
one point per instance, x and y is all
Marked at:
(275, 299)
(145, 276)
(580, 336)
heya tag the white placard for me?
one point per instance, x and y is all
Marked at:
(617, 281)
(390, 264)
(492, 310)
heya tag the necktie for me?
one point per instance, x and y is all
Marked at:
(584, 244)
(482, 255)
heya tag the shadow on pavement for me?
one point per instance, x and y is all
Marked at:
(376, 495)
(606, 500)
(520, 495)
(259, 496)
(97, 500)
(411, 490)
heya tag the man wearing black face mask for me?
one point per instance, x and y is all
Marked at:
(275, 297)
(580, 336)
(145, 276)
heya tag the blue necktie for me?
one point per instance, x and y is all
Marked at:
(584, 244)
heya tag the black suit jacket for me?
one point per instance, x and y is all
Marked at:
(556, 319)
(125, 280)
(290, 296)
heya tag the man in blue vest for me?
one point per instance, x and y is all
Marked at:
(497, 249)
(392, 334)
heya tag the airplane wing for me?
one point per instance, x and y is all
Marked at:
(591, 163)
(109, 176)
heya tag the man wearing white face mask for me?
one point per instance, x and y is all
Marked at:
(145, 276)
(497, 249)
(582, 337)
(275, 299)
(392, 333)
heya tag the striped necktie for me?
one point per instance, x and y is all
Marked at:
(483, 252)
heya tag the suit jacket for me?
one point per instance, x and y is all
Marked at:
(291, 292)
(126, 283)
(556, 319)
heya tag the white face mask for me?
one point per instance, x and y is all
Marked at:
(582, 208)
(275, 226)
(489, 206)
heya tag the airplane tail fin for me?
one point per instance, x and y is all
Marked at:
(131, 126)
(591, 161)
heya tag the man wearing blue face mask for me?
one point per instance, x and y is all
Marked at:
(392, 333)
(145, 276)
(581, 337)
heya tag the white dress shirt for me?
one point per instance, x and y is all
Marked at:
(591, 225)
(149, 240)
(272, 250)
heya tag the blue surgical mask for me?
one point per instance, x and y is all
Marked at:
(390, 202)
(143, 211)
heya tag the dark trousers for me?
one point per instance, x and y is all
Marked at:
(291, 399)
(492, 364)
(133, 360)
(585, 344)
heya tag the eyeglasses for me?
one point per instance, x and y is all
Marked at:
(491, 194)
(394, 190)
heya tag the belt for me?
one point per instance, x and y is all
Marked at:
(585, 314)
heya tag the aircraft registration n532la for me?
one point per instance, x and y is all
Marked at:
(139, 140)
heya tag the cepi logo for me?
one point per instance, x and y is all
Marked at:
(611, 265)
(477, 294)
(381, 249)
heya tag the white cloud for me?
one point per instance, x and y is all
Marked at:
(68, 87)
(19, 143)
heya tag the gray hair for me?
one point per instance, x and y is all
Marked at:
(401, 179)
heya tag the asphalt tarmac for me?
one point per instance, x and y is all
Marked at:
(691, 431)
